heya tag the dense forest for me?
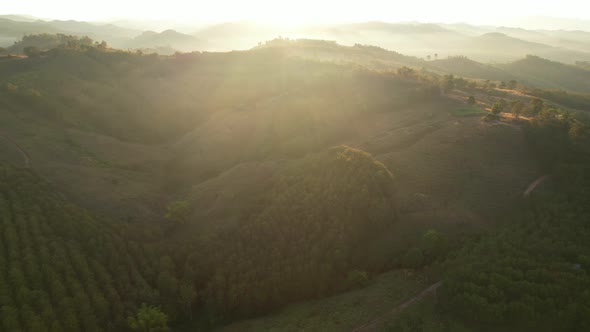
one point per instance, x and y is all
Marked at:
(63, 270)
(532, 273)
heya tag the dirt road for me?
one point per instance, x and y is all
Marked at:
(377, 323)
(24, 154)
(534, 185)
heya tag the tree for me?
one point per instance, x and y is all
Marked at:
(497, 108)
(102, 45)
(434, 244)
(517, 108)
(406, 72)
(512, 84)
(2, 50)
(413, 258)
(428, 57)
(537, 105)
(471, 100)
(461, 83)
(178, 211)
(148, 319)
(188, 294)
(357, 278)
(448, 83)
(32, 51)
(502, 85)
(435, 56)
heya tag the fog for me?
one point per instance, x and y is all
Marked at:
(183, 12)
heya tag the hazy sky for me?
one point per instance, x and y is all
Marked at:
(299, 11)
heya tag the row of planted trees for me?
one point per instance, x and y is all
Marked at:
(320, 230)
(61, 270)
(533, 273)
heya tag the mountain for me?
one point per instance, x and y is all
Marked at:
(20, 18)
(499, 47)
(416, 39)
(240, 35)
(481, 43)
(544, 73)
(168, 38)
(549, 23)
(466, 67)
(324, 50)
(116, 36)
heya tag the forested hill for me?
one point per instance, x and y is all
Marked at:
(326, 221)
(61, 269)
(540, 72)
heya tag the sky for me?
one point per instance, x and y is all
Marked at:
(299, 11)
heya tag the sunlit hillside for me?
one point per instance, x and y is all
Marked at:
(255, 176)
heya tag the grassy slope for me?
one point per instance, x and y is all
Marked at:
(430, 151)
(104, 174)
(341, 312)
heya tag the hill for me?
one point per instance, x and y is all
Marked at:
(499, 47)
(310, 210)
(466, 67)
(329, 51)
(550, 74)
(12, 30)
(169, 38)
(231, 177)
(53, 276)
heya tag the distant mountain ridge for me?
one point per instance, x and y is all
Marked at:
(481, 43)
(169, 38)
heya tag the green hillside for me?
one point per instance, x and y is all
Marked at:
(317, 218)
(199, 189)
(543, 73)
(62, 269)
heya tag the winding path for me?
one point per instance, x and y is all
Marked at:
(24, 154)
(534, 185)
(376, 324)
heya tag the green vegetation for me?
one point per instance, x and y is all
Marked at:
(467, 111)
(531, 274)
(148, 319)
(543, 73)
(318, 228)
(32, 45)
(568, 99)
(62, 270)
(178, 212)
(308, 171)
(342, 312)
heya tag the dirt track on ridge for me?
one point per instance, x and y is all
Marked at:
(376, 324)
(24, 154)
